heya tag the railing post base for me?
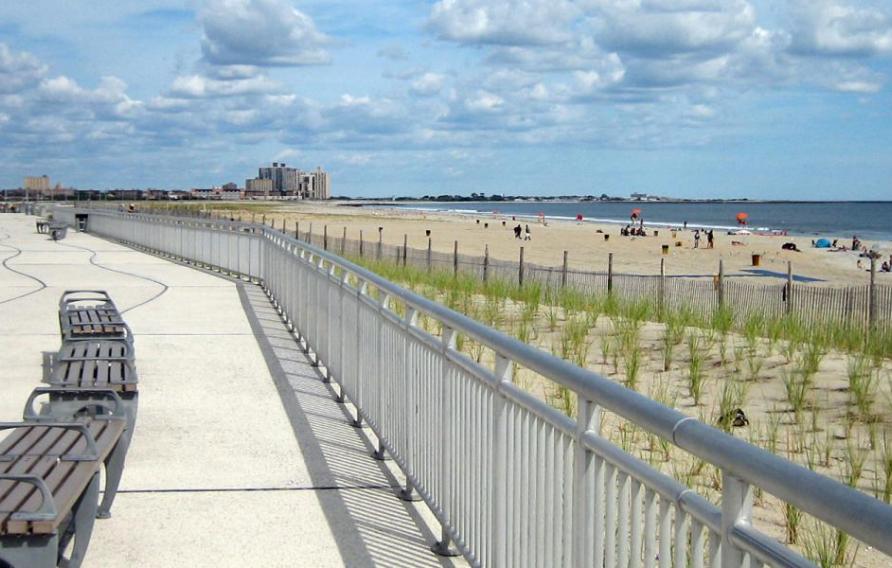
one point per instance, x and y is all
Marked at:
(380, 454)
(408, 494)
(443, 547)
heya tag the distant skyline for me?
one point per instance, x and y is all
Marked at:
(787, 99)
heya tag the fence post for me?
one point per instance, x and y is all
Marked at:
(297, 230)
(325, 237)
(485, 263)
(380, 241)
(360, 243)
(310, 234)
(520, 269)
(344, 241)
(455, 259)
(610, 273)
(662, 299)
(789, 307)
(564, 272)
(263, 219)
(872, 295)
(721, 288)
(405, 248)
(428, 254)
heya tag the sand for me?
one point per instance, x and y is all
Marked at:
(587, 248)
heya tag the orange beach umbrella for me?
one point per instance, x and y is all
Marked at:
(742, 217)
(636, 212)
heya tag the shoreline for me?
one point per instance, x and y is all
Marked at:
(842, 234)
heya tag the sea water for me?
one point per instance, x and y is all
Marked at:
(869, 220)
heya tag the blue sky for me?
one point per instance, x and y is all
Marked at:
(689, 98)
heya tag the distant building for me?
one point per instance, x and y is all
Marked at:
(285, 180)
(231, 193)
(289, 182)
(315, 185)
(258, 187)
(37, 183)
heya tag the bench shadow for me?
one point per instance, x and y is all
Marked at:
(368, 521)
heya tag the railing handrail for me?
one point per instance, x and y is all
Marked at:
(860, 515)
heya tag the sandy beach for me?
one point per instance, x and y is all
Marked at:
(587, 247)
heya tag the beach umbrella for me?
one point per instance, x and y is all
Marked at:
(822, 244)
(742, 217)
(636, 212)
(579, 216)
(541, 216)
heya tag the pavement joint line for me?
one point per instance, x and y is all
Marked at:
(164, 287)
(375, 487)
(18, 252)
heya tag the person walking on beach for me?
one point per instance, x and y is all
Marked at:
(526, 233)
(710, 239)
(697, 238)
(517, 230)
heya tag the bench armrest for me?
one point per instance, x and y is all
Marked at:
(47, 510)
(93, 451)
(106, 399)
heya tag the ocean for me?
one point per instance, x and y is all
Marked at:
(869, 220)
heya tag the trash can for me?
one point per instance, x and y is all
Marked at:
(757, 259)
(665, 250)
(606, 237)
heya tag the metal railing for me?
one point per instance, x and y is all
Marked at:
(512, 481)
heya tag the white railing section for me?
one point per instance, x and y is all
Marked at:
(512, 481)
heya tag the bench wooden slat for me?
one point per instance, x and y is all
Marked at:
(65, 479)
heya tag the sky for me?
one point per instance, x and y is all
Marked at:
(786, 99)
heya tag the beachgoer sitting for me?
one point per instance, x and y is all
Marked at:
(790, 246)
(884, 267)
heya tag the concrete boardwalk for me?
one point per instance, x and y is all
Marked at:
(240, 456)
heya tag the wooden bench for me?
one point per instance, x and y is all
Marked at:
(43, 226)
(91, 314)
(63, 404)
(49, 484)
(98, 365)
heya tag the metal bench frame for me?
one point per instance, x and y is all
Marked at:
(64, 404)
(99, 300)
(29, 547)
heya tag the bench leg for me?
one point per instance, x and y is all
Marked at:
(114, 463)
(81, 526)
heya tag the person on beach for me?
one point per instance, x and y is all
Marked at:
(697, 238)
(710, 239)
(517, 230)
(526, 233)
(685, 226)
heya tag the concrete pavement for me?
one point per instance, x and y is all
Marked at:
(240, 455)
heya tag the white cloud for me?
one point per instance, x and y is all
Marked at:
(200, 86)
(427, 85)
(18, 70)
(261, 33)
(830, 27)
(662, 27)
(505, 22)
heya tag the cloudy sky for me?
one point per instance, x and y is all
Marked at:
(690, 98)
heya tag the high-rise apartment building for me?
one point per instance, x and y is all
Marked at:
(315, 185)
(285, 179)
(37, 183)
(281, 180)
